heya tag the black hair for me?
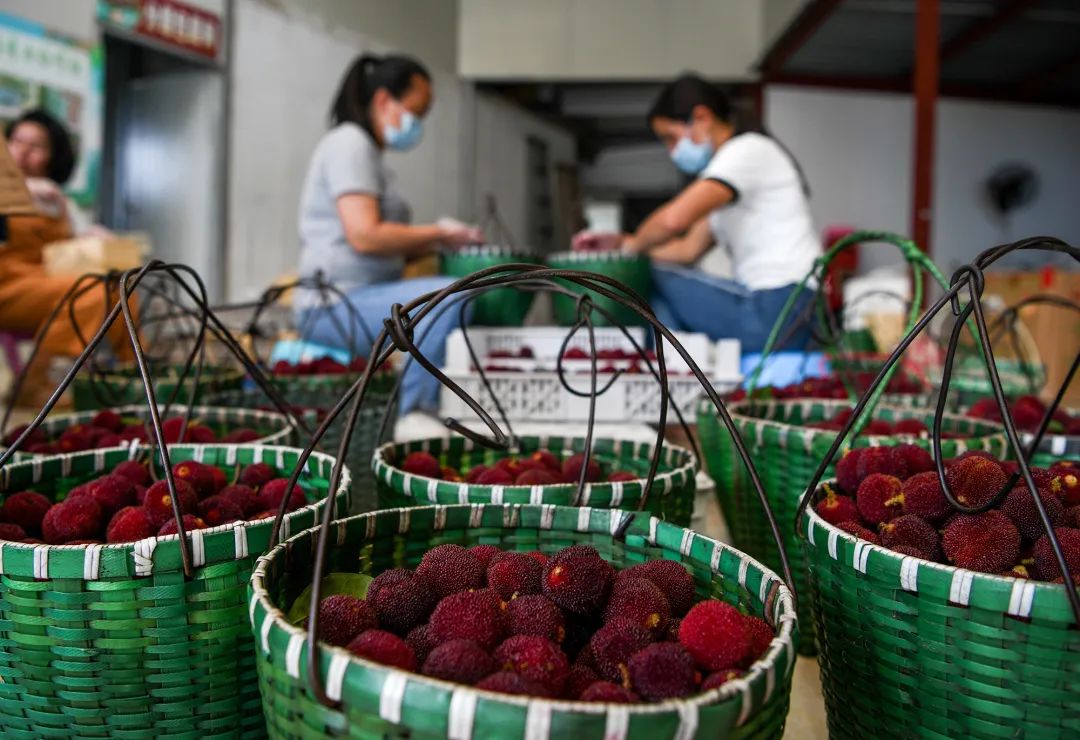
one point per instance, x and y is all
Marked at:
(366, 75)
(678, 99)
(63, 158)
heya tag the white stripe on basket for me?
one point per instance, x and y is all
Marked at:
(770, 681)
(1022, 597)
(99, 459)
(617, 724)
(547, 516)
(688, 721)
(861, 555)
(286, 528)
(240, 540)
(392, 696)
(717, 553)
(292, 654)
(810, 529)
(615, 520)
(198, 548)
(389, 474)
(404, 520)
(264, 632)
(251, 606)
(961, 447)
(909, 574)
(743, 686)
(511, 516)
(41, 561)
(538, 721)
(763, 588)
(65, 465)
(960, 590)
(496, 494)
(1057, 445)
(462, 711)
(1, 559)
(92, 562)
(335, 675)
(536, 495)
(744, 567)
(686, 543)
(616, 494)
(133, 449)
(370, 528)
(280, 458)
(586, 494)
(142, 552)
(463, 493)
(440, 518)
(406, 485)
(199, 455)
(834, 535)
(433, 491)
(230, 455)
(342, 530)
(583, 514)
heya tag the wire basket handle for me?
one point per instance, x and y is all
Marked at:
(396, 335)
(911, 253)
(969, 282)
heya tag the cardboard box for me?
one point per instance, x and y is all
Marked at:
(95, 254)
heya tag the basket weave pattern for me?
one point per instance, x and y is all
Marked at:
(112, 641)
(377, 701)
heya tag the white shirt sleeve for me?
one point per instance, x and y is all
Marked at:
(743, 163)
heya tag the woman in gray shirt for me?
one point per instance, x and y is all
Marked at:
(354, 225)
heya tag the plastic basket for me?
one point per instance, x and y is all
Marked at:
(787, 454)
(113, 640)
(122, 385)
(671, 498)
(503, 307)
(272, 427)
(376, 701)
(911, 648)
(317, 393)
(634, 271)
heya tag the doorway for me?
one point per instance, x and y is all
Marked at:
(165, 148)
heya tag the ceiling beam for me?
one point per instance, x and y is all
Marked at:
(984, 28)
(1043, 77)
(805, 25)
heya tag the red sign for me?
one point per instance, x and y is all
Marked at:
(179, 24)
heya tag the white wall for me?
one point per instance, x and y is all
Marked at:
(608, 39)
(636, 168)
(74, 18)
(856, 151)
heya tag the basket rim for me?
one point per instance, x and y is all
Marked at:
(121, 372)
(609, 256)
(217, 412)
(143, 549)
(682, 472)
(490, 250)
(740, 411)
(1017, 597)
(598, 521)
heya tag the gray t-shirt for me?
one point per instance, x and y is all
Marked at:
(346, 160)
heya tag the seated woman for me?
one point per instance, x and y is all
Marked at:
(354, 224)
(748, 196)
(42, 150)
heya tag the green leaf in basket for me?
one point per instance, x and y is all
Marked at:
(350, 584)
(131, 420)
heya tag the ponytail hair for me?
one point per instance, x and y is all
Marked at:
(368, 74)
(678, 99)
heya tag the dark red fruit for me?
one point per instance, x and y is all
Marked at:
(913, 532)
(847, 471)
(451, 568)
(612, 646)
(494, 477)
(130, 524)
(385, 648)
(158, 502)
(609, 693)
(578, 580)
(191, 522)
(256, 475)
(484, 553)
(1047, 563)
(761, 637)
(536, 658)
(244, 497)
(671, 578)
(343, 617)
(878, 498)
(27, 509)
(835, 508)
(578, 679)
(664, 670)
(420, 641)
(534, 614)
(133, 471)
(718, 679)
(716, 635)
(468, 615)
(571, 469)
(422, 463)
(921, 495)
(218, 510)
(12, 532)
(640, 601)
(108, 420)
(78, 519)
(272, 492)
(112, 492)
(975, 480)
(508, 682)
(1020, 507)
(858, 530)
(536, 477)
(987, 542)
(401, 599)
(460, 661)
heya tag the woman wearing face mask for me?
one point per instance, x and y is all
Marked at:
(354, 224)
(748, 195)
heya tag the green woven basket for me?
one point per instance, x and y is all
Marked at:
(672, 497)
(970, 381)
(317, 394)
(632, 271)
(376, 701)
(787, 454)
(911, 648)
(112, 640)
(1053, 448)
(123, 385)
(500, 307)
(272, 427)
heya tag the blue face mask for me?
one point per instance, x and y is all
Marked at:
(406, 135)
(691, 157)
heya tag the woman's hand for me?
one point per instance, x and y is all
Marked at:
(597, 241)
(460, 235)
(47, 196)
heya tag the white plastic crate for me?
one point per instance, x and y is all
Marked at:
(534, 395)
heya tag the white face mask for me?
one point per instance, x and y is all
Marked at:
(406, 134)
(690, 156)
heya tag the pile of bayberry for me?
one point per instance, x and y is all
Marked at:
(563, 626)
(541, 468)
(831, 387)
(891, 496)
(109, 429)
(127, 504)
(1027, 413)
(321, 366)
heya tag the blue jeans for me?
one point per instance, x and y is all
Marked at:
(419, 388)
(686, 299)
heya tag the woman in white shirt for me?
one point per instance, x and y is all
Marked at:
(355, 225)
(748, 196)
